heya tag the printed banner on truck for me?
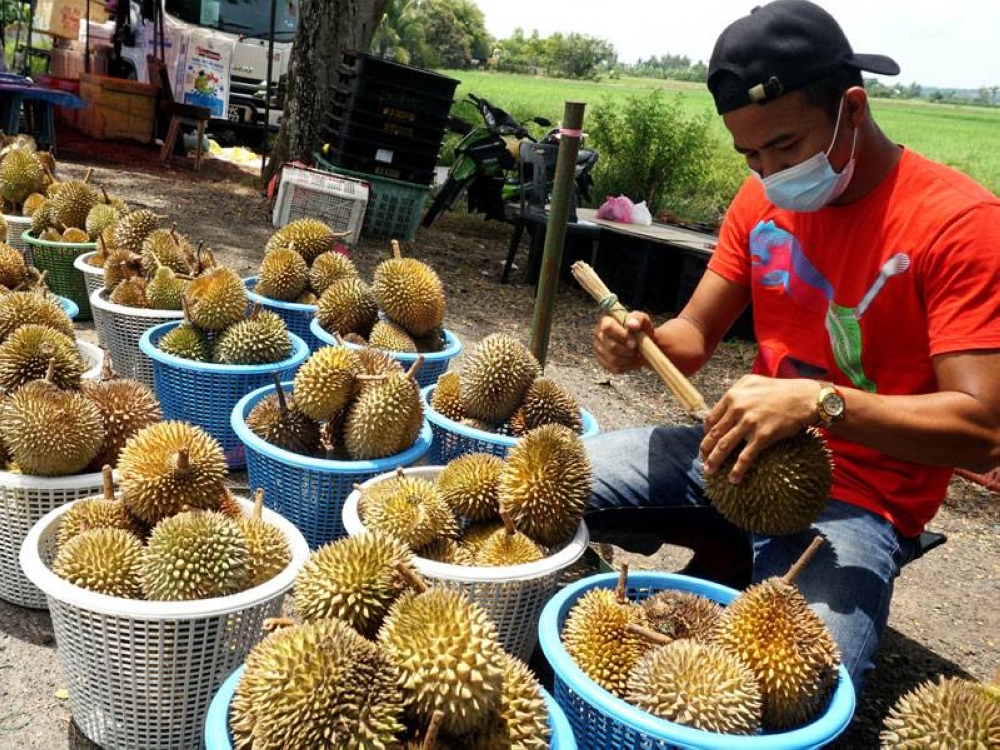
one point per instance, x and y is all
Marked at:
(206, 71)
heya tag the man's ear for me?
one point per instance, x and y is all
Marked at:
(856, 105)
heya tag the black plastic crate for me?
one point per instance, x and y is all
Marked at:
(339, 128)
(343, 102)
(364, 65)
(393, 96)
(422, 128)
(368, 165)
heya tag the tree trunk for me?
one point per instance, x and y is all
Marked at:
(326, 27)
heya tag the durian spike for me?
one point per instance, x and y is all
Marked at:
(622, 583)
(277, 623)
(396, 252)
(430, 738)
(415, 367)
(258, 504)
(803, 561)
(411, 578)
(680, 386)
(108, 481)
(651, 636)
(86, 177)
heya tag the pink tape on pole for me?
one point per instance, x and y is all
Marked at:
(573, 133)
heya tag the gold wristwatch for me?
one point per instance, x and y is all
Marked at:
(830, 405)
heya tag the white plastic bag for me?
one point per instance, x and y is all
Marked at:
(641, 215)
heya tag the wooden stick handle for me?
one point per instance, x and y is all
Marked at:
(679, 385)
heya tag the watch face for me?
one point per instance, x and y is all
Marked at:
(833, 404)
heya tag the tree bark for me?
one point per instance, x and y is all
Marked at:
(326, 27)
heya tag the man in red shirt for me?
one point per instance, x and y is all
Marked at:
(875, 280)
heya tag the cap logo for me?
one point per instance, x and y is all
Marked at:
(772, 89)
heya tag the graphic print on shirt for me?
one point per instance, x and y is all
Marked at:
(778, 261)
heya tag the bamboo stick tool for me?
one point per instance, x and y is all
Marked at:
(679, 385)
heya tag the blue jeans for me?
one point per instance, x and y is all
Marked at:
(848, 583)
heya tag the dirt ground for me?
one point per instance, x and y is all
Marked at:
(943, 618)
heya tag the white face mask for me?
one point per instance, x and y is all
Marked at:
(812, 184)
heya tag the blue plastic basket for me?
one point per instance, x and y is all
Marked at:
(435, 363)
(452, 439)
(601, 721)
(310, 492)
(297, 316)
(72, 309)
(217, 736)
(204, 393)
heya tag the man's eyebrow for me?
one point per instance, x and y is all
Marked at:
(773, 142)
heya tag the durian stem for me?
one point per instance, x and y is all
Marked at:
(276, 623)
(415, 367)
(50, 371)
(803, 561)
(254, 310)
(258, 504)
(680, 386)
(197, 257)
(508, 524)
(648, 635)
(107, 372)
(48, 173)
(108, 479)
(86, 177)
(396, 251)
(280, 392)
(411, 578)
(430, 738)
(105, 194)
(622, 583)
(370, 378)
(183, 459)
(186, 309)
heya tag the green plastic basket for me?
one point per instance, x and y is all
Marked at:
(394, 207)
(63, 278)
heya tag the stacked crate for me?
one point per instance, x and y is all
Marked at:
(386, 126)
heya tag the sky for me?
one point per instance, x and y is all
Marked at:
(952, 44)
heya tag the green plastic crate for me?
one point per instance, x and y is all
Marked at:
(394, 206)
(63, 278)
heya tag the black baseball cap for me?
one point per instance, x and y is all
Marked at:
(778, 48)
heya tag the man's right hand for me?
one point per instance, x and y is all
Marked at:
(617, 346)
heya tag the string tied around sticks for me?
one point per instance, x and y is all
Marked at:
(609, 303)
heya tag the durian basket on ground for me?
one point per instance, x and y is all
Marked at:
(93, 276)
(602, 721)
(119, 328)
(142, 673)
(219, 737)
(310, 491)
(58, 259)
(297, 315)
(512, 595)
(16, 227)
(205, 393)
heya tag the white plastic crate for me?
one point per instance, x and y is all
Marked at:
(312, 194)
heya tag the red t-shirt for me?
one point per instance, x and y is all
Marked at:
(863, 296)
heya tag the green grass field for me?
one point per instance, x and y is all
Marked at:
(967, 138)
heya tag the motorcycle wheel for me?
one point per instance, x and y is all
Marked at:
(446, 198)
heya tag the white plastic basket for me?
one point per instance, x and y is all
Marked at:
(119, 328)
(16, 226)
(512, 595)
(23, 500)
(141, 674)
(93, 359)
(93, 277)
(311, 194)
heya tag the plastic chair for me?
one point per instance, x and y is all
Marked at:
(179, 113)
(536, 169)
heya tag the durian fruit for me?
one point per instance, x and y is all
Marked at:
(31, 204)
(317, 685)
(20, 308)
(432, 342)
(329, 267)
(545, 484)
(386, 416)
(521, 721)
(546, 402)
(216, 299)
(187, 342)
(160, 248)
(130, 293)
(105, 560)
(268, 552)
(448, 655)
(126, 406)
(446, 550)
(284, 275)
(474, 535)
(446, 398)
(783, 491)
(106, 512)
(3, 229)
(75, 236)
(50, 432)
(99, 218)
(681, 614)
(347, 306)
(377, 362)
(410, 510)
(470, 485)
(325, 382)
(307, 298)
(72, 203)
(698, 685)
(165, 291)
(28, 351)
(308, 237)
(119, 266)
(495, 377)
(387, 335)
(169, 466)
(410, 293)
(51, 235)
(195, 554)
(353, 579)
(949, 713)
(260, 339)
(20, 175)
(41, 219)
(13, 269)
(132, 229)
(353, 338)
(598, 637)
(276, 420)
(772, 629)
(508, 547)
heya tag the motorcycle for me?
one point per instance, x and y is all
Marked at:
(486, 162)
